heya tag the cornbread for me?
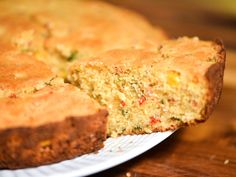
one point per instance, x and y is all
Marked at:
(146, 83)
(177, 84)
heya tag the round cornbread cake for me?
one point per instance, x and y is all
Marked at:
(64, 63)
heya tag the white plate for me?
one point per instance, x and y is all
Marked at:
(116, 151)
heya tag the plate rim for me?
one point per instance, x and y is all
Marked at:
(117, 160)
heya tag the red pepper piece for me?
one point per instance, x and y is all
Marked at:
(12, 95)
(142, 100)
(154, 120)
(122, 104)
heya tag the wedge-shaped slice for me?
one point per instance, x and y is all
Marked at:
(177, 84)
(52, 124)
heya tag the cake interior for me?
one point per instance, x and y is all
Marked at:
(142, 99)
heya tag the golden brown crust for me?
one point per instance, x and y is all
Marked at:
(215, 75)
(87, 28)
(21, 73)
(47, 105)
(169, 54)
(53, 142)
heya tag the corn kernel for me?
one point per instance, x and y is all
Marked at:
(45, 143)
(173, 78)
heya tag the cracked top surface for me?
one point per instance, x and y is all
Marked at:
(169, 55)
(60, 33)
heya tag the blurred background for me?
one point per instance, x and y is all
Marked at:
(208, 19)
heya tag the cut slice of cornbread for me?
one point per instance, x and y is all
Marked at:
(52, 124)
(177, 84)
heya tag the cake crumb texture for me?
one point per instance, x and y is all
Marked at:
(146, 91)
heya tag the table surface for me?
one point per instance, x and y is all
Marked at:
(208, 149)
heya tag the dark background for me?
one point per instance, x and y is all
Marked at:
(205, 19)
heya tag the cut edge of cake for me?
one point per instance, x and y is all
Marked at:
(98, 77)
